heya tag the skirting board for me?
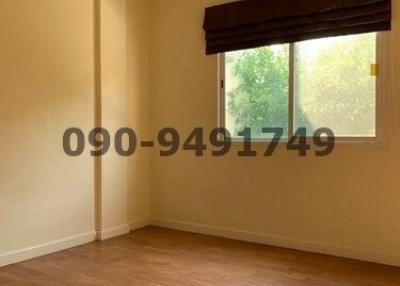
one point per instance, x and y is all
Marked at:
(113, 232)
(46, 248)
(138, 224)
(278, 241)
(122, 230)
(69, 242)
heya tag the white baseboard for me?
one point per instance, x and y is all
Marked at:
(62, 244)
(138, 224)
(279, 241)
(46, 248)
(69, 242)
(113, 232)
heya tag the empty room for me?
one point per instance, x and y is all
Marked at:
(200, 142)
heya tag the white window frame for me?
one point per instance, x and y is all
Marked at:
(382, 89)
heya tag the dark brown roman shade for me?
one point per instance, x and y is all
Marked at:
(253, 23)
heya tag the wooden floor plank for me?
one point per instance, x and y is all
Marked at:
(160, 257)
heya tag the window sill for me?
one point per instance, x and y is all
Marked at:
(371, 142)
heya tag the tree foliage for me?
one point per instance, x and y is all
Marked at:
(333, 89)
(337, 90)
(260, 98)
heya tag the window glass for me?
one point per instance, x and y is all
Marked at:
(257, 89)
(335, 85)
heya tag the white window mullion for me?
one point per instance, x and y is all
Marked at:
(221, 88)
(291, 90)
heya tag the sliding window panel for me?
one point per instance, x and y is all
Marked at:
(257, 90)
(335, 85)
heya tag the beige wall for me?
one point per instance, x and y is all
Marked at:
(53, 56)
(114, 111)
(46, 86)
(124, 103)
(138, 115)
(345, 204)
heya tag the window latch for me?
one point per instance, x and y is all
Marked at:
(374, 70)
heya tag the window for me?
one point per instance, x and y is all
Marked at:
(324, 83)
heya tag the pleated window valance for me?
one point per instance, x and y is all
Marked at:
(254, 23)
